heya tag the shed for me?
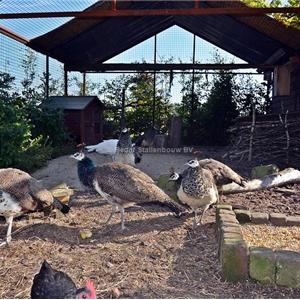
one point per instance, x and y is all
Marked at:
(83, 116)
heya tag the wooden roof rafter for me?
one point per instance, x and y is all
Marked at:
(239, 11)
(17, 37)
(107, 67)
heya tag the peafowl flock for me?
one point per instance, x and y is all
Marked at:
(121, 184)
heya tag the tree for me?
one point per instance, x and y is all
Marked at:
(191, 104)
(139, 94)
(219, 111)
(292, 20)
(247, 90)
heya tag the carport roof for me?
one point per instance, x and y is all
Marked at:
(86, 43)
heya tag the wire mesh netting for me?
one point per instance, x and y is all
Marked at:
(31, 28)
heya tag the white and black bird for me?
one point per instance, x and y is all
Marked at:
(105, 147)
(121, 150)
(121, 184)
(20, 193)
(196, 188)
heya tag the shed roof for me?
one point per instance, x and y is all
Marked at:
(86, 43)
(70, 102)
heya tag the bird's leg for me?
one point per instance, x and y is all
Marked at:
(9, 221)
(113, 210)
(195, 222)
(204, 210)
(122, 211)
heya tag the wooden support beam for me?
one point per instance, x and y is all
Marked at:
(84, 84)
(5, 31)
(241, 11)
(66, 82)
(167, 67)
(47, 77)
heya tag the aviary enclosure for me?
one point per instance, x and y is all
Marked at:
(191, 81)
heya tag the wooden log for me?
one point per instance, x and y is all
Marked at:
(286, 176)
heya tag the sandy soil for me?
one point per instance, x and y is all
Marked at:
(157, 257)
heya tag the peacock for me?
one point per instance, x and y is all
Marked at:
(20, 193)
(196, 188)
(121, 184)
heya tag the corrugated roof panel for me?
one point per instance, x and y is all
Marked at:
(31, 28)
(70, 102)
(83, 44)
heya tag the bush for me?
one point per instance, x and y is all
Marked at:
(17, 146)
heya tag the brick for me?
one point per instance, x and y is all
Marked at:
(226, 212)
(259, 218)
(234, 260)
(288, 268)
(293, 221)
(262, 264)
(221, 207)
(242, 215)
(226, 238)
(223, 219)
(234, 228)
(278, 219)
(229, 218)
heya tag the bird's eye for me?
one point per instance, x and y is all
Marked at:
(84, 296)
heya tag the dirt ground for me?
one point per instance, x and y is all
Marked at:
(158, 256)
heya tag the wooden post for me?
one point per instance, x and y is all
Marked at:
(192, 113)
(287, 134)
(66, 82)
(123, 122)
(47, 77)
(251, 131)
(154, 84)
(84, 84)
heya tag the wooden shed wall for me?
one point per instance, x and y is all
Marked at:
(289, 102)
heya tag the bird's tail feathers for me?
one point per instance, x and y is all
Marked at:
(175, 207)
(61, 206)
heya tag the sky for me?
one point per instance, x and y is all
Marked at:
(174, 42)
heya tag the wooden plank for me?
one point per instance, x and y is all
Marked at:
(241, 11)
(7, 32)
(162, 66)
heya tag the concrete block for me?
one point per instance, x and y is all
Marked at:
(277, 219)
(293, 221)
(262, 264)
(242, 215)
(262, 171)
(169, 187)
(259, 218)
(234, 260)
(288, 268)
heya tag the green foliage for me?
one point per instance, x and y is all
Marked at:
(29, 133)
(219, 111)
(17, 146)
(218, 99)
(292, 20)
(138, 102)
